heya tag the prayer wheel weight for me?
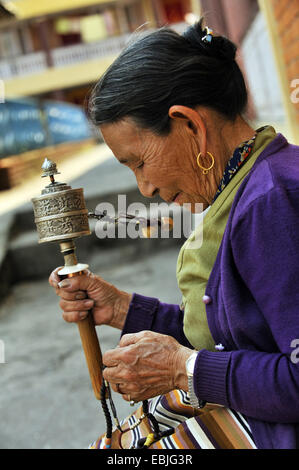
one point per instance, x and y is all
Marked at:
(61, 216)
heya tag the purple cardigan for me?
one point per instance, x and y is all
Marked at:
(254, 308)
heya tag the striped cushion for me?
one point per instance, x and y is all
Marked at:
(213, 427)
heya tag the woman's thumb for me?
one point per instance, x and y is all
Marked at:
(75, 283)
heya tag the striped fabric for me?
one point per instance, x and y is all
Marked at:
(213, 427)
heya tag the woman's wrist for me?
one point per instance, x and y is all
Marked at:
(121, 308)
(180, 373)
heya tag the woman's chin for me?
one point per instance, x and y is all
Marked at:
(193, 207)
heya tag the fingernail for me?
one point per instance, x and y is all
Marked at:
(82, 315)
(88, 303)
(64, 283)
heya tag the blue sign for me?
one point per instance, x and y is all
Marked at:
(66, 122)
(27, 125)
(21, 127)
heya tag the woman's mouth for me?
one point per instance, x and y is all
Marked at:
(176, 198)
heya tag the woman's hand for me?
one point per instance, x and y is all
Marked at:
(82, 293)
(146, 364)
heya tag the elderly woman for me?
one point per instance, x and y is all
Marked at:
(171, 109)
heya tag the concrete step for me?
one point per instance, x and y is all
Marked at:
(29, 260)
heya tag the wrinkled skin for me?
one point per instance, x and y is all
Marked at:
(143, 363)
(80, 294)
(147, 364)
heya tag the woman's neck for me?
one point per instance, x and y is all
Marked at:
(227, 137)
(233, 135)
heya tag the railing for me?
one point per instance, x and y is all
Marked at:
(31, 64)
(64, 56)
(28, 64)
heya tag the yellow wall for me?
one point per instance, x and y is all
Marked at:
(149, 13)
(32, 8)
(57, 78)
(196, 8)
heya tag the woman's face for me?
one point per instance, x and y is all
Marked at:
(164, 165)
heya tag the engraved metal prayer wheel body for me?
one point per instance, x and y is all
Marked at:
(60, 212)
(61, 215)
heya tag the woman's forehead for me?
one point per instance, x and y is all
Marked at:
(123, 138)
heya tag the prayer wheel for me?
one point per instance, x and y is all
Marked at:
(61, 216)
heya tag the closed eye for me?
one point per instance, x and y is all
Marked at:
(140, 165)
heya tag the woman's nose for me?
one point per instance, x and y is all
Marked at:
(147, 189)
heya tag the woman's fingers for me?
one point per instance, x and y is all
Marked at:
(144, 363)
(54, 278)
(133, 338)
(67, 289)
(125, 388)
(76, 283)
(74, 317)
(110, 304)
(74, 311)
(119, 355)
(63, 294)
(76, 305)
(73, 284)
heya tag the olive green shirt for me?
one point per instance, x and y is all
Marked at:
(198, 254)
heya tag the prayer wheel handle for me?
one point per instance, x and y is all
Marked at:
(87, 330)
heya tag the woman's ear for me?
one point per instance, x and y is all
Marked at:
(193, 121)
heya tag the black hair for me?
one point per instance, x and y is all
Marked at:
(164, 68)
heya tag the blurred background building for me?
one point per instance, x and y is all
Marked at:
(51, 53)
(56, 49)
(267, 33)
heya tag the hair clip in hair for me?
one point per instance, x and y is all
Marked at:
(208, 37)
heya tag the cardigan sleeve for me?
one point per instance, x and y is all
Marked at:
(265, 248)
(148, 313)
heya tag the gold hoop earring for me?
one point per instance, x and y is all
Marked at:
(205, 170)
